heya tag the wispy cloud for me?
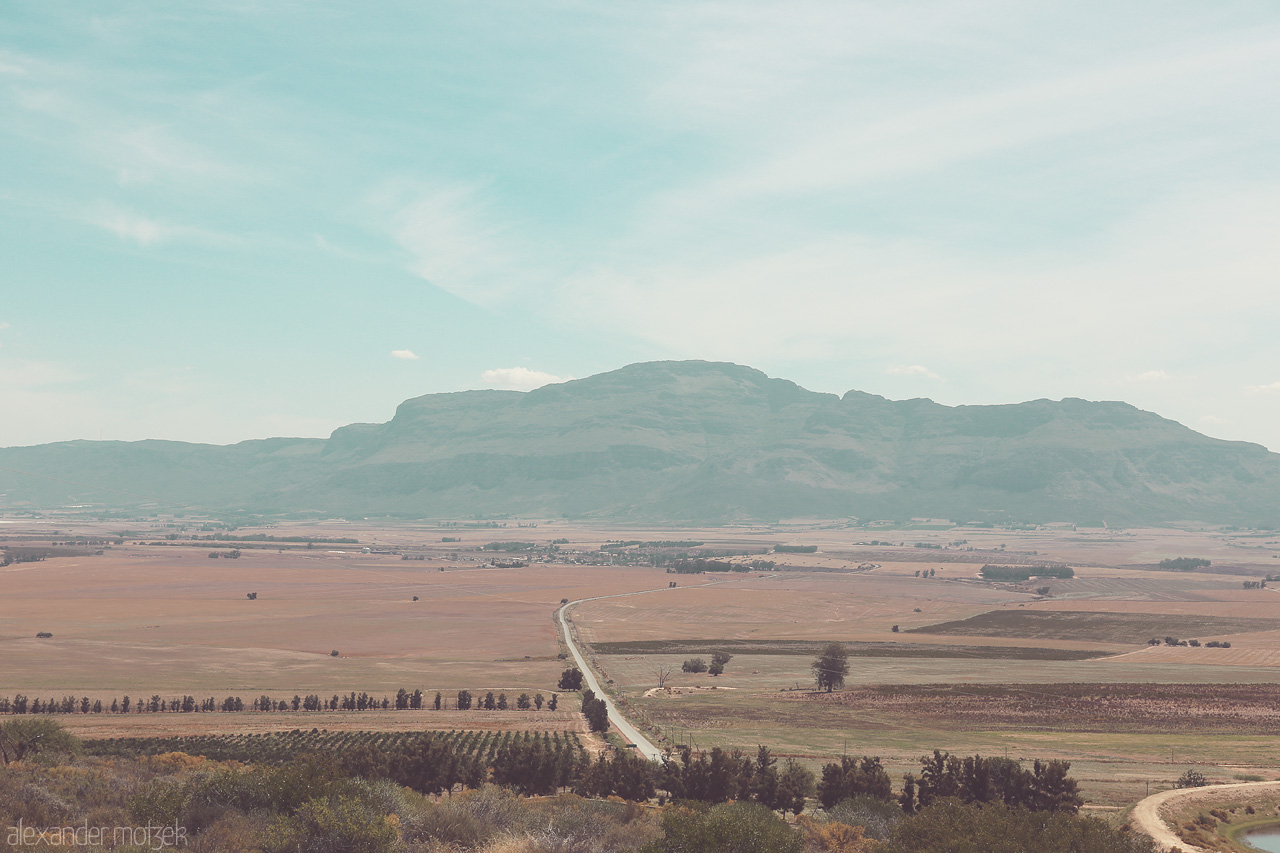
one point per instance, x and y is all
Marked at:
(147, 231)
(1268, 388)
(139, 127)
(453, 237)
(518, 378)
(911, 370)
(29, 375)
(404, 354)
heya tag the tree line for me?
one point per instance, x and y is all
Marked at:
(156, 704)
(993, 572)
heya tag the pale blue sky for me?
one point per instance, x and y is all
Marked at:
(221, 221)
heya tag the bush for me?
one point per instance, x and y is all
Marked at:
(340, 824)
(1191, 778)
(834, 837)
(694, 665)
(950, 826)
(726, 828)
(878, 817)
(29, 737)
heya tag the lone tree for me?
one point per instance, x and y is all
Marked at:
(831, 667)
(571, 679)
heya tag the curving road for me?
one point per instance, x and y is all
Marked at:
(643, 745)
(1146, 814)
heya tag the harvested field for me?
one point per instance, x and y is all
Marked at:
(1236, 656)
(855, 649)
(1135, 628)
(1126, 589)
(170, 620)
(159, 616)
(1111, 708)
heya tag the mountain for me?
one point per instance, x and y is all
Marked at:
(689, 441)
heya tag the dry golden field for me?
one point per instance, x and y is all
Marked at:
(163, 618)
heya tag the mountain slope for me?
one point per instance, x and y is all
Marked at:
(692, 441)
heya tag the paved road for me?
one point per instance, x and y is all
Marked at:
(1146, 814)
(643, 745)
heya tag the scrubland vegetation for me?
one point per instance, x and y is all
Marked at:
(306, 793)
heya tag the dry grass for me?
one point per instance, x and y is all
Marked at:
(168, 620)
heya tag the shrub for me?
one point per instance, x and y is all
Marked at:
(1191, 778)
(834, 837)
(949, 826)
(726, 828)
(29, 737)
(340, 824)
(878, 817)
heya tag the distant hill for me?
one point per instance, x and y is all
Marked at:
(689, 441)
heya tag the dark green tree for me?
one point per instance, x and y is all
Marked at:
(831, 667)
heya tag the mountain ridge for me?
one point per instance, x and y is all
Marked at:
(691, 442)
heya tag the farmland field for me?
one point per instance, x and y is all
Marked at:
(939, 657)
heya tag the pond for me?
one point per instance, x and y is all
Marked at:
(1265, 839)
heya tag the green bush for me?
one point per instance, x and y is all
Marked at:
(878, 817)
(338, 824)
(726, 828)
(25, 738)
(949, 826)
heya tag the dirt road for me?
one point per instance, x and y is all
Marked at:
(1146, 814)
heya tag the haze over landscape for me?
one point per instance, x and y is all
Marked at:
(562, 427)
(688, 442)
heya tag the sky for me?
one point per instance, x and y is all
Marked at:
(233, 220)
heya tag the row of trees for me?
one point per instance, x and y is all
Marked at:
(1174, 641)
(1045, 787)
(1184, 564)
(534, 763)
(596, 711)
(1023, 573)
(404, 700)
